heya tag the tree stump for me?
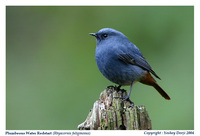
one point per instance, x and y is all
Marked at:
(110, 113)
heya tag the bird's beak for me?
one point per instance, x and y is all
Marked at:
(93, 34)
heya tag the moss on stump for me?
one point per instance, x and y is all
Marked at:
(109, 113)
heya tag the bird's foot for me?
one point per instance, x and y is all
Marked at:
(125, 98)
(110, 86)
(115, 87)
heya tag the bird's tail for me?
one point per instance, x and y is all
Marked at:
(148, 80)
(161, 91)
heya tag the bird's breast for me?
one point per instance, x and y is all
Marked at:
(116, 70)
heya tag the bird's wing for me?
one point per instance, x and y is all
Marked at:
(137, 60)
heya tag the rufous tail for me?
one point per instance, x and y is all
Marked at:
(148, 80)
(161, 91)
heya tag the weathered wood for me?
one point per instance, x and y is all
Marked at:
(109, 113)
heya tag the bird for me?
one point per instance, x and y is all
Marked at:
(121, 61)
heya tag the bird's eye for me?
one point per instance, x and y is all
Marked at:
(105, 35)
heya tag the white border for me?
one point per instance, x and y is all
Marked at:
(2, 69)
(196, 67)
(196, 3)
(101, 2)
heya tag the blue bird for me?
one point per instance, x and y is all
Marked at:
(121, 62)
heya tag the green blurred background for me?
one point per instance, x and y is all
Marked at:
(52, 79)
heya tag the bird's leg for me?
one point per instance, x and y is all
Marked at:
(128, 96)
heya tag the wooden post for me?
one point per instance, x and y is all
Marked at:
(109, 113)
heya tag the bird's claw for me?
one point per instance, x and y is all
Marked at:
(108, 87)
(125, 98)
(115, 87)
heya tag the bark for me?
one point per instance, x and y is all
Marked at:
(110, 113)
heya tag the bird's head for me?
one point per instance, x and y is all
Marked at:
(106, 35)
